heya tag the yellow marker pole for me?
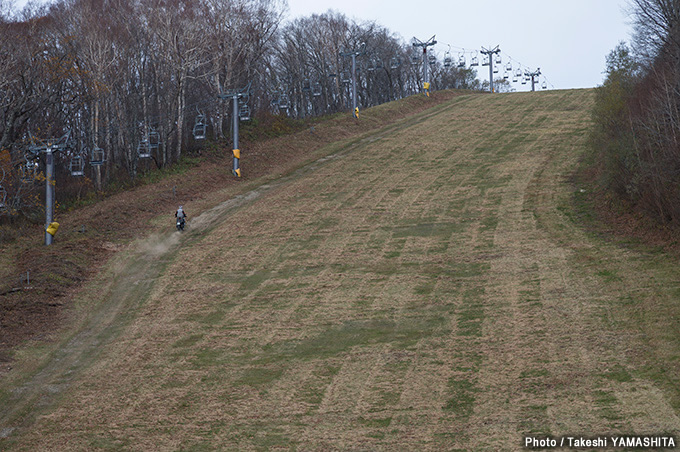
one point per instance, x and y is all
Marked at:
(237, 153)
(356, 112)
(52, 228)
(49, 193)
(237, 157)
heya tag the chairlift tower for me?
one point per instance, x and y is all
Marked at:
(426, 76)
(490, 53)
(49, 148)
(235, 95)
(354, 54)
(534, 77)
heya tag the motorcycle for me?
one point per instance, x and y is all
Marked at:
(180, 223)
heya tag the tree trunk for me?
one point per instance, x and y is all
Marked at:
(180, 116)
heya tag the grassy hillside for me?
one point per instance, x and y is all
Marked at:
(427, 286)
(89, 236)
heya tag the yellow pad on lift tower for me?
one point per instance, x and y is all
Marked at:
(52, 228)
(238, 172)
(237, 153)
(426, 85)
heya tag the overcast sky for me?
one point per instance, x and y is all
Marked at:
(567, 40)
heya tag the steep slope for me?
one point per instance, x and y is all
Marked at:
(424, 287)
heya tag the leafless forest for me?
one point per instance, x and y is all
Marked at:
(136, 76)
(637, 114)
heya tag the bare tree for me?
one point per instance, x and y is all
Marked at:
(657, 25)
(146, 67)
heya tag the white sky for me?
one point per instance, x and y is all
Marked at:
(568, 40)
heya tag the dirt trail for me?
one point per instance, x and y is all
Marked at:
(424, 288)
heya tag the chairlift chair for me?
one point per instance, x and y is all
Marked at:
(432, 59)
(447, 59)
(415, 59)
(505, 75)
(77, 166)
(474, 61)
(33, 167)
(154, 140)
(461, 60)
(199, 128)
(346, 77)
(28, 172)
(495, 69)
(3, 198)
(244, 112)
(198, 132)
(306, 86)
(143, 151)
(316, 89)
(283, 102)
(544, 85)
(378, 63)
(395, 63)
(486, 60)
(498, 59)
(97, 156)
(508, 67)
(3, 192)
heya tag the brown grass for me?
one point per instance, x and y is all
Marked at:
(424, 289)
(57, 272)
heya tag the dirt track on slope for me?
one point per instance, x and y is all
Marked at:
(91, 235)
(426, 288)
(69, 341)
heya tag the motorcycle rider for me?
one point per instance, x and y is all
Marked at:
(181, 214)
